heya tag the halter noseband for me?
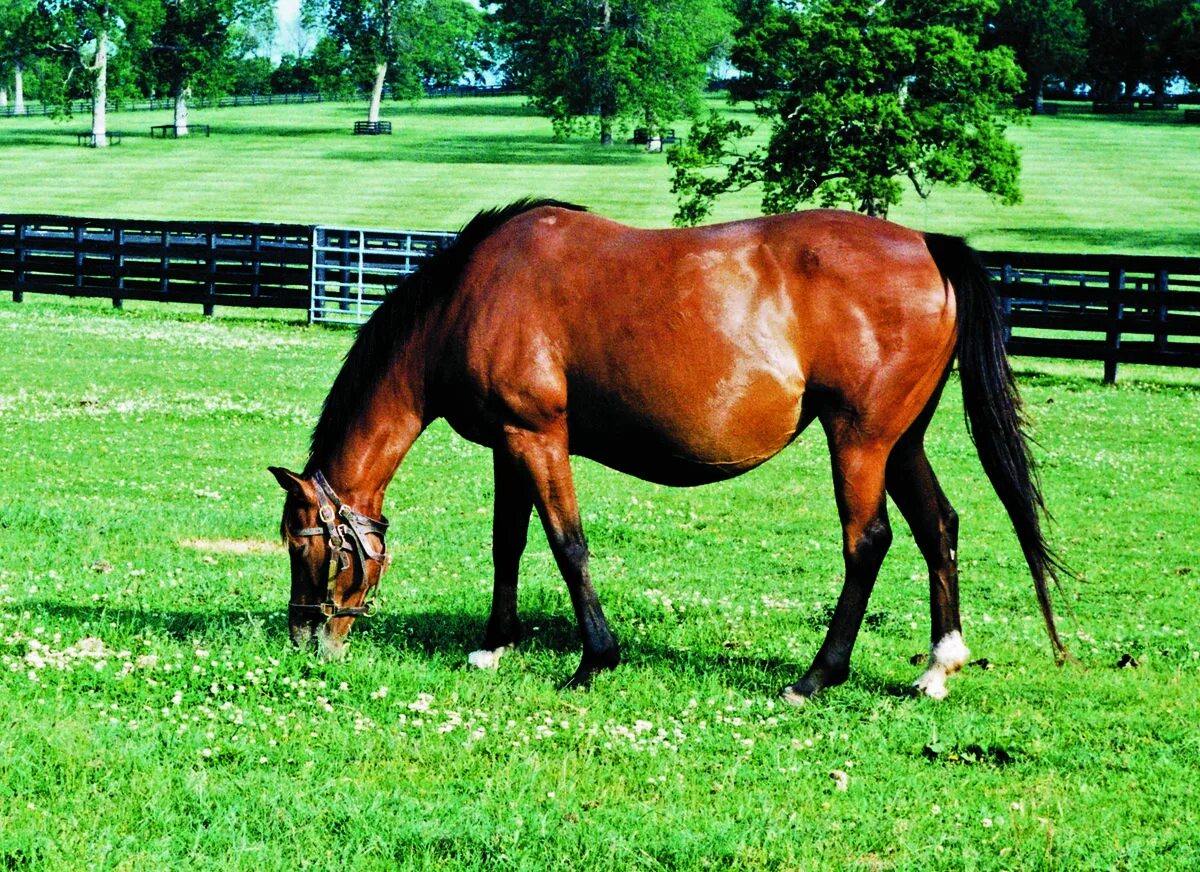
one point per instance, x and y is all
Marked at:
(348, 539)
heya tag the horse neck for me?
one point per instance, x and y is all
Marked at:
(378, 439)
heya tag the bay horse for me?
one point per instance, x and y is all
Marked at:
(682, 357)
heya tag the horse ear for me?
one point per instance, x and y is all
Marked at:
(288, 480)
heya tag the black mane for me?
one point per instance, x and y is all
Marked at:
(375, 346)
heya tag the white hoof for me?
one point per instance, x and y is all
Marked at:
(932, 683)
(947, 657)
(486, 659)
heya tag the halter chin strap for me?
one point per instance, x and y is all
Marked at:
(347, 532)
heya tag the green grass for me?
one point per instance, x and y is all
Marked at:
(1091, 183)
(155, 716)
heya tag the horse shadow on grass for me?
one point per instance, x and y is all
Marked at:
(432, 633)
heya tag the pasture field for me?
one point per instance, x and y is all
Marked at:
(155, 717)
(1092, 183)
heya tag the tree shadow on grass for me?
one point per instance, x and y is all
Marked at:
(508, 149)
(431, 633)
(1123, 240)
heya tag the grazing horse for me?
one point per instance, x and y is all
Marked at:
(681, 357)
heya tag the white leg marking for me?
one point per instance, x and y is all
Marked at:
(945, 658)
(486, 659)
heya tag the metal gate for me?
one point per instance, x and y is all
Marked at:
(354, 269)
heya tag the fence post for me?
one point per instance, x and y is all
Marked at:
(257, 246)
(19, 252)
(210, 285)
(1116, 312)
(118, 299)
(313, 280)
(78, 238)
(164, 263)
(1162, 284)
(1006, 282)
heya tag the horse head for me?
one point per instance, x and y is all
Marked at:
(337, 558)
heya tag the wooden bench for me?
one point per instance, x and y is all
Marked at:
(1121, 107)
(164, 129)
(372, 128)
(89, 138)
(1149, 103)
(1191, 116)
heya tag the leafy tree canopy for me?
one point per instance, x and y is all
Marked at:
(589, 63)
(419, 42)
(1137, 41)
(198, 43)
(861, 96)
(1049, 37)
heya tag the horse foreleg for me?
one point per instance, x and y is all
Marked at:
(858, 478)
(545, 460)
(510, 529)
(914, 487)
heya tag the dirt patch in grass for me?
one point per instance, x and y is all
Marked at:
(233, 546)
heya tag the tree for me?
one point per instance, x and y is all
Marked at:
(1134, 42)
(1049, 38)
(20, 32)
(592, 63)
(198, 43)
(407, 44)
(1189, 44)
(86, 32)
(859, 95)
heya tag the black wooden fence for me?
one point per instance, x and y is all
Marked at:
(209, 263)
(1112, 308)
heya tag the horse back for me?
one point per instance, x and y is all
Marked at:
(690, 354)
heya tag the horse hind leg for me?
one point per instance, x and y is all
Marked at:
(916, 492)
(858, 476)
(510, 530)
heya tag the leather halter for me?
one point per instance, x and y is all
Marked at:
(348, 541)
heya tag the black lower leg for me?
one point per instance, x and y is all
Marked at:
(600, 649)
(831, 666)
(510, 529)
(934, 523)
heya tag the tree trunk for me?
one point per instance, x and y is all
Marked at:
(100, 92)
(18, 89)
(606, 108)
(377, 92)
(181, 110)
(1039, 90)
(1160, 92)
(3, 96)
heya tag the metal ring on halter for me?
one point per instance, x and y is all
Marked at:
(348, 541)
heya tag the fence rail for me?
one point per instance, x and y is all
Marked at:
(154, 104)
(1112, 308)
(1117, 309)
(208, 263)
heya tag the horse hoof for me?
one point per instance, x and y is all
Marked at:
(581, 680)
(792, 696)
(486, 659)
(932, 684)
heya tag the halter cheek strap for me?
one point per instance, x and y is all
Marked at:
(347, 532)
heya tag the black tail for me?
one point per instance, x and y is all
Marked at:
(993, 409)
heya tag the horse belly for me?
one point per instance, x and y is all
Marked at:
(676, 435)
